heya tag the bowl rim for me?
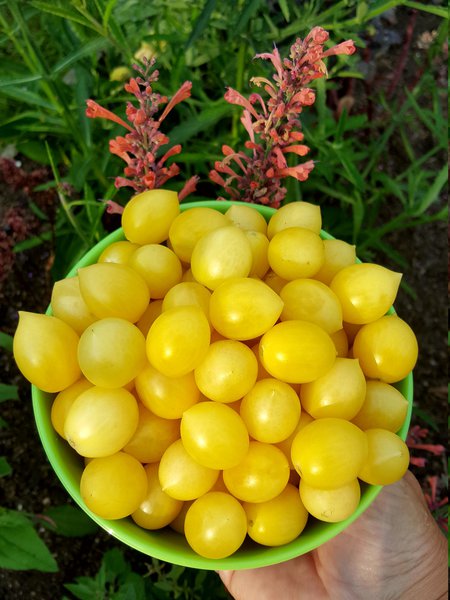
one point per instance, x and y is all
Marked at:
(165, 544)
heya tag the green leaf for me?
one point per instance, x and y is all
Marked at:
(85, 588)
(19, 81)
(69, 521)
(433, 192)
(285, 9)
(23, 95)
(8, 392)
(20, 546)
(6, 341)
(87, 49)
(201, 23)
(59, 11)
(250, 7)
(5, 467)
(434, 10)
(32, 242)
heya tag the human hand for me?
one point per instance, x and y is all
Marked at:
(393, 551)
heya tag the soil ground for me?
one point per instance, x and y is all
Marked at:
(25, 284)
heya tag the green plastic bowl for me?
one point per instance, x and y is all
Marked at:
(165, 544)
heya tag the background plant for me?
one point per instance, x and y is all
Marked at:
(378, 137)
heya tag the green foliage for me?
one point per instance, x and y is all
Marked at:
(20, 546)
(68, 521)
(116, 580)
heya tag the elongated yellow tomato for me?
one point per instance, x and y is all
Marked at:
(310, 300)
(297, 351)
(329, 453)
(244, 308)
(384, 408)
(259, 245)
(158, 266)
(111, 352)
(262, 474)
(188, 293)
(101, 421)
(63, 401)
(270, 410)
(246, 217)
(221, 254)
(366, 291)
(332, 505)
(387, 349)
(190, 225)
(113, 486)
(277, 521)
(157, 509)
(118, 252)
(214, 435)
(147, 217)
(167, 397)
(68, 305)
(113, 290)
(295, 214)
(45, 350)
(387, 460)
(182, 477)
(178, 340)
(296, 252)
(338, 254)
(227, 372)
(152, 437)
(215, 525)
(339, 393)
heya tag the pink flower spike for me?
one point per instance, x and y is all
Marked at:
(417, 462)
(305, 97)
(183, 92)
(347, 48)
(189, 187)
(247, 122)
(318, 35)
(95, 111)
(171, 152)
(299, 149)
(216, 178)
(300, 172)
(234, 97)
(112, 208)
(275, 58)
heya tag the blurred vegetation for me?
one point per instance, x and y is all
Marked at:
(379, 144)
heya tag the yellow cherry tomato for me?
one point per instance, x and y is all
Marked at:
(366, 291)
(338, 254)
(277, 521)
(295, 252)
(384, 408)
(215, 525)
(111, 352)
(178, 340)
(227, 372)
(63, 401)
(68, 305)
(246, 217)
(329, 453)
(147, 217)
(297, 351)
(214, 435)
(387, 349)
(332, 505)
(310, 300)
(157, 509)
(339, 393)
(220, 255)
(113, 486)
(387, 459)
(158, 266)
(244, 308)
(45, 350)
(295, 214)
(113, 290)
(118, 252)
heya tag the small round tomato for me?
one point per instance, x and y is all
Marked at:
(387, 459)
(387, 349)
(332, 505)
(296, 252)
(277, 521)
(45, 350)
(215, 525)
(297, 351)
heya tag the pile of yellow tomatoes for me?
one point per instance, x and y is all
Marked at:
(224, 375)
